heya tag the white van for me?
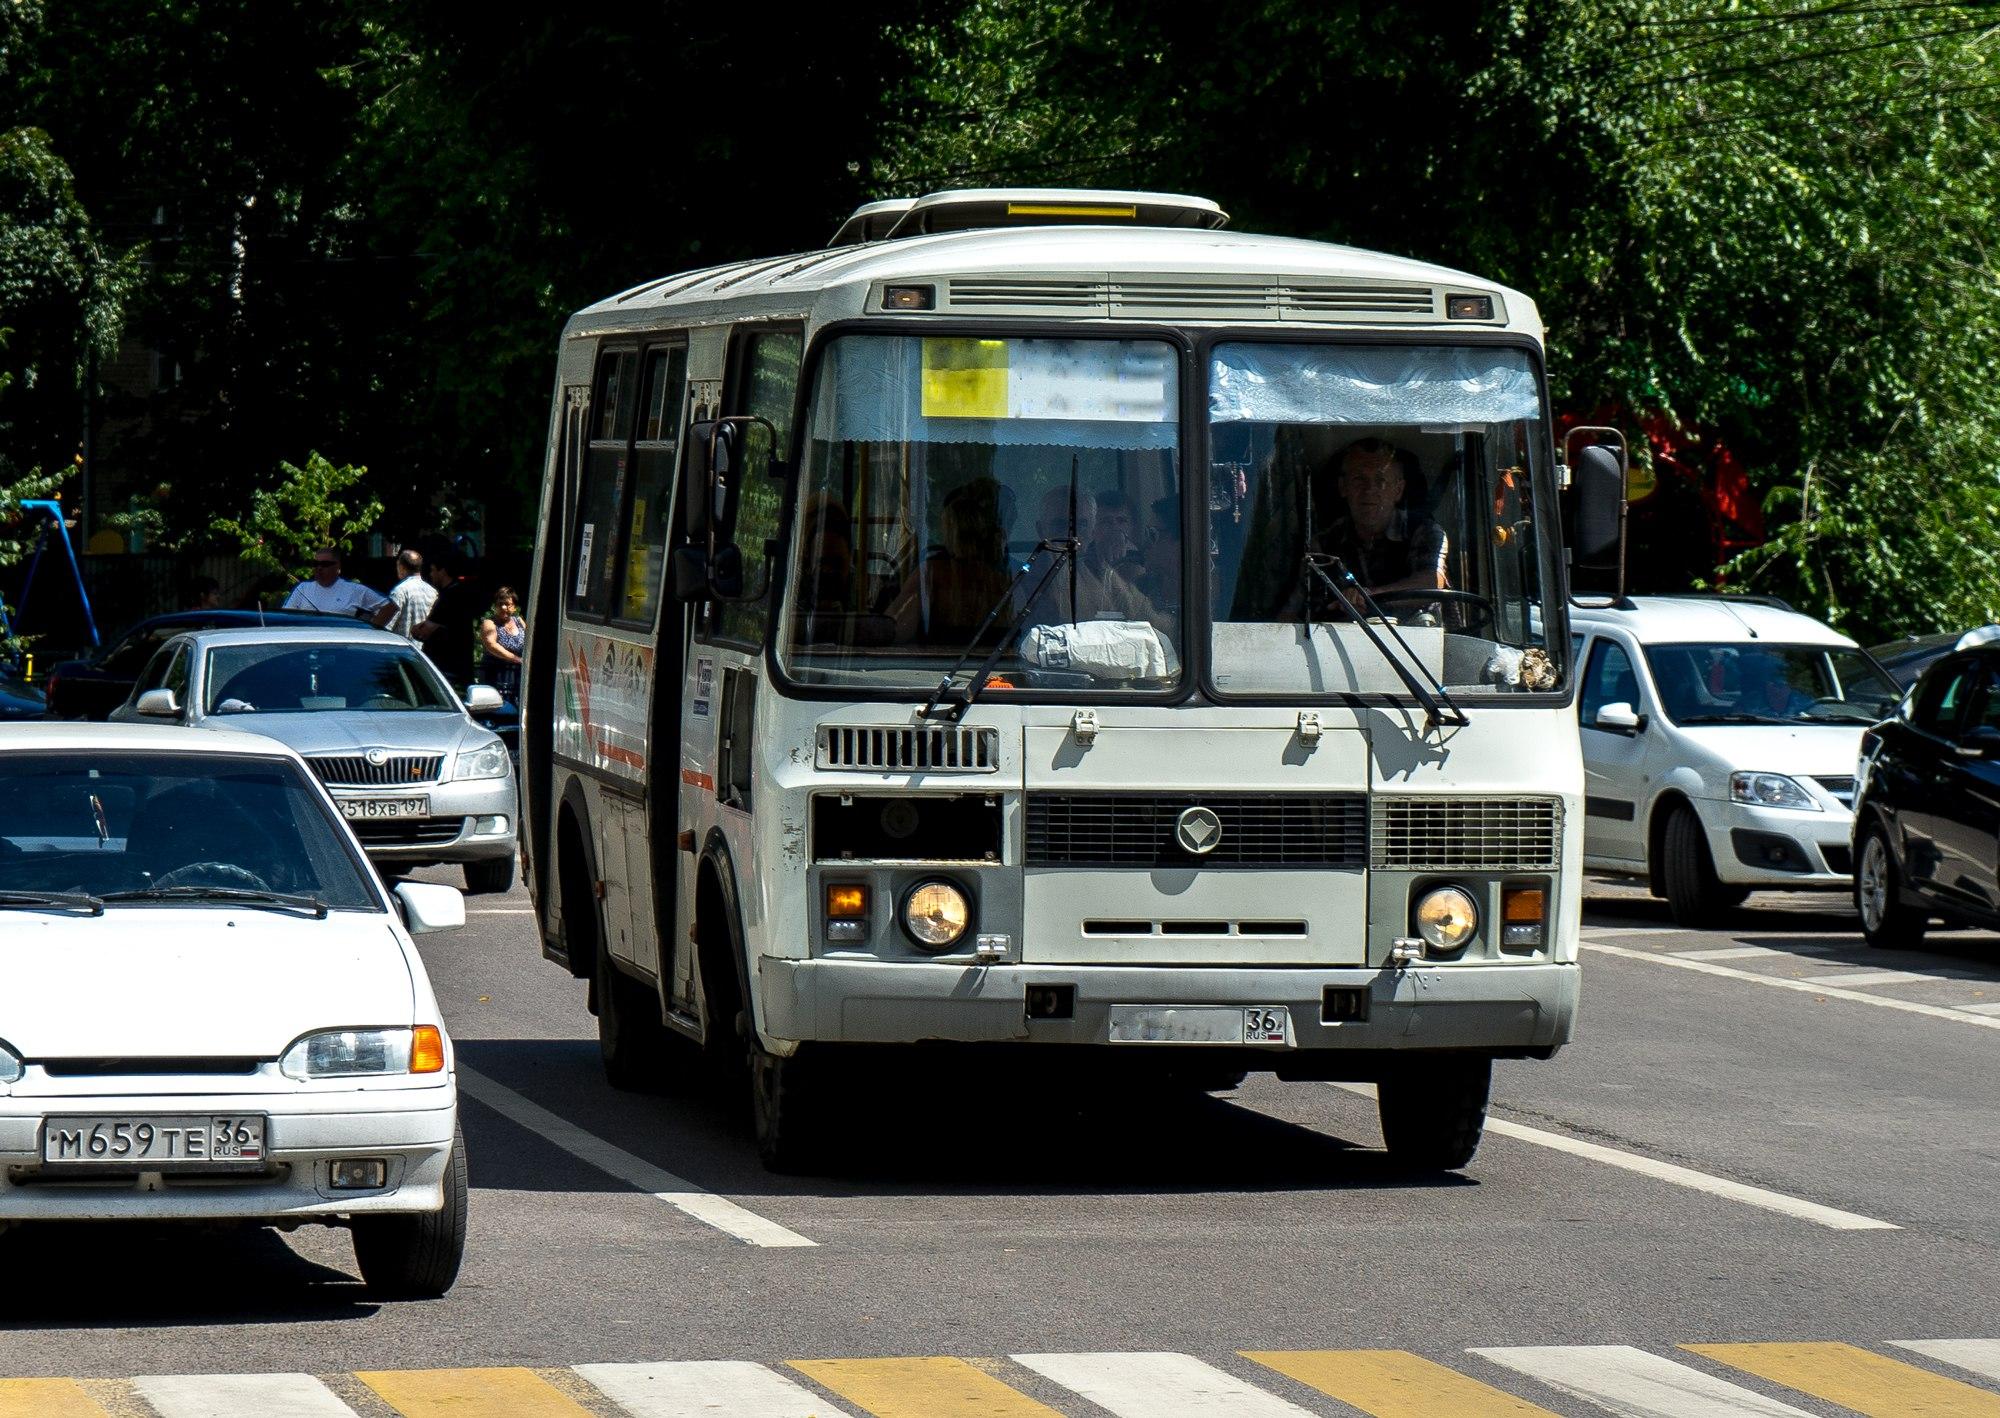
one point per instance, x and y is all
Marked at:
(1719, 741)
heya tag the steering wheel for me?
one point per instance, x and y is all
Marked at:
(1472, 599)
(212, 874)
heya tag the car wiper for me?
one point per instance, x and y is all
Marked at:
(1735, 719)
(237, 895)
(54, 900)
(933, 707)
(1439, 707)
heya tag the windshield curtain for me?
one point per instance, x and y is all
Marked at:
(1760, 683)
(293, 679)
(1420, 470)
(98, 823)
(937, 473)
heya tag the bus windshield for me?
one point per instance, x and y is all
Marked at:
(966, 496)
(1410, 471)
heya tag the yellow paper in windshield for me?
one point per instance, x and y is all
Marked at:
(965, 379)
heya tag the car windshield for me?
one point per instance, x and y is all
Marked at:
(101, 824)
(316, 677)
(1414, 470)
(967, 497)
(1761, 683)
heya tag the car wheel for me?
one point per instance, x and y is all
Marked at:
(489, 878)
(1695, 896)
(416, 1257)
(1433, 1111)
(1887, 923)
(786, 1109)
(632, 1038)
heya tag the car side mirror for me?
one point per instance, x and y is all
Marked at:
(430, 906)
(482, 696)
(159, 703)
(1620, 718)
(1981, 742)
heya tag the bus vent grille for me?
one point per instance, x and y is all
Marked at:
(1467, 834)
(1134, 296)
(908, 749)
(1259, 830)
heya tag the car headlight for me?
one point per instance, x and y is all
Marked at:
(487, 762)
(1446, 919)
(1770, 790)
(11, 1067)
(352, 1053)
(936, 913)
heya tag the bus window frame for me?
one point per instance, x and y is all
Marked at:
(652, 343)
(606, 349)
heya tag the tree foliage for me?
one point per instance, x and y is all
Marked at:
(319, 505)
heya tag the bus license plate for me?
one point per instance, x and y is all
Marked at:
(374, 809)
(146, 1141)
(1200, 1024)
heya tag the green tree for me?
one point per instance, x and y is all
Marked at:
(319, 505)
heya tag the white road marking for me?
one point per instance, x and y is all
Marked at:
(711, 1389)
(1977, 1356)
(1830, 1217)
(1751, 952)
(1786, 982)
(1979, 1008)
(240, 1396)
(1878, 977)
(501, 911)
(1159, 1386)
(1592, 932)
(1636, 1384)
(684, 1196)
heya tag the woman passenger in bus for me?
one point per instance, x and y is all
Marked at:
(958, 585)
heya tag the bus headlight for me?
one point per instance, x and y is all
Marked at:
(936, 914)
(1446, 919)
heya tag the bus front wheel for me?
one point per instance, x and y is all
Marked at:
(1434, 1111)
(786, 1109)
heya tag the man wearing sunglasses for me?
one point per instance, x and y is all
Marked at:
(329, 593)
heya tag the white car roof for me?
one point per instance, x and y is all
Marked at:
(299, 635)
(74, 737)
(1669, 620)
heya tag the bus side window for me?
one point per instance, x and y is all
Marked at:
(594, 552)
(646, 522)
(764, 381)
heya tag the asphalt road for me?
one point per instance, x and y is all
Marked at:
(1765, 1135)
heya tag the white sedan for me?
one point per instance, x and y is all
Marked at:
(209, 1008)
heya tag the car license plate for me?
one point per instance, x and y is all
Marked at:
(1201, 1024)
(150, 1143)
(374, 809)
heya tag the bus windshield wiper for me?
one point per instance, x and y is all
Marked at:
(235, 895)
(1439, 707)
(53, 900)
(934, 706)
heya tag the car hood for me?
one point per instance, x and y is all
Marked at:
(354, 730)
(180, 980)
(1799, 750)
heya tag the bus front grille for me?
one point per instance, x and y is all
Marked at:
(1258, 830)
(908, 748)
(1467, 834)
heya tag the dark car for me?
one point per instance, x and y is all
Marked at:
(1909, 657)
(91, 689)
(1927, 802)
(18, 698)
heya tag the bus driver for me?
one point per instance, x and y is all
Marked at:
(1387, 547)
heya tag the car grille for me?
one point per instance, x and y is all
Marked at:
(1258, 830)
(408, 832)
(103, 1067)
(353, 770)
(1467, 834)
(1841, 787)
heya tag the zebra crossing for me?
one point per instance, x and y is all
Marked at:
(1900, 1379)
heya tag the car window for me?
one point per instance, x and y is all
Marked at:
(177, 675)
(156, 672)
(1609, 680)
(289, 678)
(110, 822)
(129, 656)
(1986, 707)
(1941, 698)
(1762, 682)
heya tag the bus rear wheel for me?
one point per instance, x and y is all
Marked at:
(632, 1038)
(1434, 1112)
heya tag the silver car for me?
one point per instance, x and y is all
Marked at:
(418, 780)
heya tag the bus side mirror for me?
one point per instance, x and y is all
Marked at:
(1597, 520)
(700, 577)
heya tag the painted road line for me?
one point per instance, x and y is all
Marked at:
(1882, 977)
(1159, 1386)
(501, 911)
(706, 1389)
(46, 1398)
(1979, 1008)
(1975, 1356)
(1855, 1378)
(1786, 982)
(1635, 1384)
(1830, 1217)
(921, 1388)
(1593, 932)
(1751, 952)
(1393, 1383)
(472, 1393)
(240, 1396)
(677, 1192)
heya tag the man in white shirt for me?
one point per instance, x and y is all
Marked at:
(413, 595)
(331, 594)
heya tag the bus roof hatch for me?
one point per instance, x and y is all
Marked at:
(968, 209)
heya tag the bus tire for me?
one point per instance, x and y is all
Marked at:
(1696, 897)
(632, 1038)
(786, 1110)
(1433, 1112)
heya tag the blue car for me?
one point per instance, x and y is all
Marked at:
(92, 688)
(18, 698)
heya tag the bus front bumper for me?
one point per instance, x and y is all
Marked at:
(1504, 1007)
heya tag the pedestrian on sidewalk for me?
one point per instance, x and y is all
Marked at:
(330, 593)
(448, 632)
(413, 595)
(505, 636)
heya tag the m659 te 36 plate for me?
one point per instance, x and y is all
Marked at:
(153, 1143)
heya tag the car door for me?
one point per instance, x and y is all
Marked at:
(1613, 759)
(1967, 814)
(1914, 769)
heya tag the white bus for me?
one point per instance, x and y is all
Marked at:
(1047, 624)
